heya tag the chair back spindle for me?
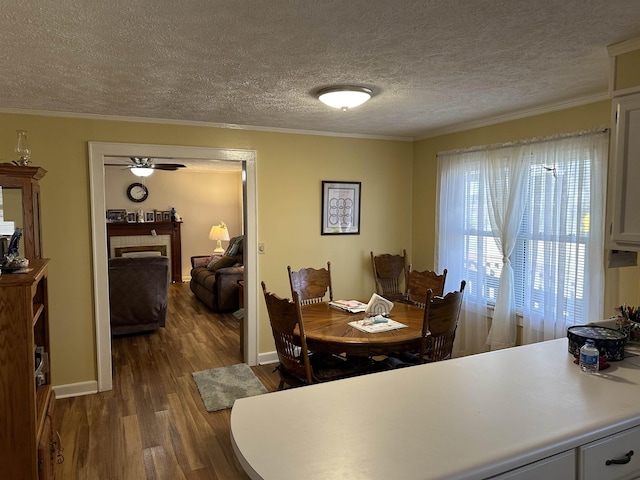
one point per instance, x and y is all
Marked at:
(389, 273)
(297, 365)
(292, 351)
(311, 284)
(419, 282)
(441, 317)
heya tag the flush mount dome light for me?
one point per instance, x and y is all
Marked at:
(142, 171)
(344, 97)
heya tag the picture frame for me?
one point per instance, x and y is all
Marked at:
(340, 208)
(158, 216)
(150, 216)
(116, 216)
(131, 217)
(166, 216)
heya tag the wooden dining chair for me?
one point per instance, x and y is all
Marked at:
(441, 316)
(311, 284)
(419, 282)
(390, 275)
(297, 365)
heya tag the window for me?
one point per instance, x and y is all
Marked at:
(545, 201)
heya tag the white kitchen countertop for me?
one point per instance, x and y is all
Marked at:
(466, 418)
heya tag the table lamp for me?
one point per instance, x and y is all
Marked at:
(219, 233)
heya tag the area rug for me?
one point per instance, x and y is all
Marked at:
(220, 387)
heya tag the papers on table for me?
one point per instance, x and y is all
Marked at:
(352, 306)
(378, 305)
(376, 324)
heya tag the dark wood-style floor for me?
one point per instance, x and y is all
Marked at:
(153, 424)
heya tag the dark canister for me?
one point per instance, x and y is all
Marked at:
(609, 342)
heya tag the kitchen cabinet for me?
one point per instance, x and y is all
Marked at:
(616, 457)
(624, 175)
(560, 466)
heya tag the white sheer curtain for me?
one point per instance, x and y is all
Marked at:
(564, 283)
(453, 248)
(507, 172)
(523, 224)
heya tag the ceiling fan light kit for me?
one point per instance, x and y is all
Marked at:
(142, 171)
(344, 97)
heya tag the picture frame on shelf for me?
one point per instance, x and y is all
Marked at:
(340, 208)
(158, 216)
(116, 216)
(166, 216)
(150, 216)
(131, 217)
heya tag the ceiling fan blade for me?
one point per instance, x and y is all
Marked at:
(124, 165)
(168, 166)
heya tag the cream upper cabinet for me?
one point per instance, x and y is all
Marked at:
(624, 175)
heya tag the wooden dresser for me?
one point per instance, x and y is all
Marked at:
(28, 435)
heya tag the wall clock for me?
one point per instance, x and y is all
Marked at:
(137, 192)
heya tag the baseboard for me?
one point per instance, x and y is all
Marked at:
(267, 358)
(76, 389)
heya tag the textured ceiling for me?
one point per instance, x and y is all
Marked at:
(431, 64)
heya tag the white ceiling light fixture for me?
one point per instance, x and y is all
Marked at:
(344, 97)
(142, 171)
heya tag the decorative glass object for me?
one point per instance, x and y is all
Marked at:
(22, 149)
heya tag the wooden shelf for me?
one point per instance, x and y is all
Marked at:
(39, 308)
(43, 396)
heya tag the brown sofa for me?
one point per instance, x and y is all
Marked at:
(216, 285)
(138, 293)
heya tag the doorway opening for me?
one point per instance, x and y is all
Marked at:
(98, 151)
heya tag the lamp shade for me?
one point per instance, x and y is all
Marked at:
(344, 97)
(142, 171)
(219, 233)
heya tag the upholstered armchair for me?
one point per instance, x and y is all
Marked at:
(214, 278)
(138, 293)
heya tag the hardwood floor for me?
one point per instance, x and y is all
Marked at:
(153, 424)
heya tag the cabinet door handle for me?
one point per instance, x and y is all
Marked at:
(621, 461)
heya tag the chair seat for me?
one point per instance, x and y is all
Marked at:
(392, 362)
(332, 367)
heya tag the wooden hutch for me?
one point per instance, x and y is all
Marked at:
(28, 436)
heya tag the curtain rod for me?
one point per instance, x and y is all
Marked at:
(530, 141)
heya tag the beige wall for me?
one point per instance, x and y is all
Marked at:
(202, 199)
(398, 207)
(622, 284)
(289, 170)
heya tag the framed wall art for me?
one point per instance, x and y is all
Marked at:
(340, 208)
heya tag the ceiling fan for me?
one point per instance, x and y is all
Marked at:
(144, 166)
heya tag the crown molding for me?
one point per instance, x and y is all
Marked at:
(624, 47)
(508, 117)
(192, 123)
(460, 127)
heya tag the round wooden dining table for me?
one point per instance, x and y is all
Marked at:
(327, 330)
